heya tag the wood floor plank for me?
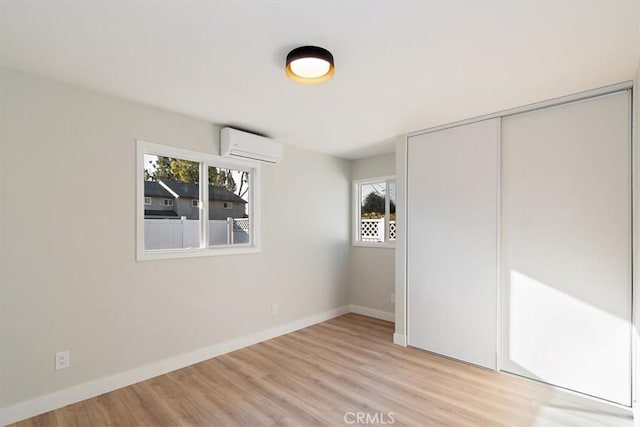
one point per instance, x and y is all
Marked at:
(328, 375)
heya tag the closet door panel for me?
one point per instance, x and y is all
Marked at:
(452, 239)
(566, 246)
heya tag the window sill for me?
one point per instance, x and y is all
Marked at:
(374, 245)
(192, 253)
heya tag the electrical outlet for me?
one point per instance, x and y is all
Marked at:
(63, 359)
(274, 309)
(393, 297)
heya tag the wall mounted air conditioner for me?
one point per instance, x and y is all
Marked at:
(243, 145)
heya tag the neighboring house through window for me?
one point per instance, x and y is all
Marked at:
(374, 212)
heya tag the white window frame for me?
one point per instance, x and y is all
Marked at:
(206, 160)
(195, 203)
(145, 201)
(356, 205)
(167, 203)
(227, 205)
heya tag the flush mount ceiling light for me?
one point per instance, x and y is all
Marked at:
(309, 64)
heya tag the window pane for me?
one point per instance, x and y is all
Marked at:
(392, 211)
(228, 206)
(372, 208)
(171, 221)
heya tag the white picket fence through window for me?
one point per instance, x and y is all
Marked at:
(372, 230)
(185, 233)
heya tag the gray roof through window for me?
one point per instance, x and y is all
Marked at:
(189, 190)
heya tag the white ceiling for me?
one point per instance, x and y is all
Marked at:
(400, 66)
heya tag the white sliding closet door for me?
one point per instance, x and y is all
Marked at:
(566, 246)
(452, 238)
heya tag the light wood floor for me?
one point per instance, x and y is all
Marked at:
(324, 373)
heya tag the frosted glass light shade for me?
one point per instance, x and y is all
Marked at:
(310, 68)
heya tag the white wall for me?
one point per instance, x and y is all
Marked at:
(635, 119)
(400, 335)
(69, 276)
(636, 238)
(372, 270)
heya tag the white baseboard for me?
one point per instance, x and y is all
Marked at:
(378, 314)
(49, 402)
(400, 339)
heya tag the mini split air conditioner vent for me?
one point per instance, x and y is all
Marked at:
(243, 145)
